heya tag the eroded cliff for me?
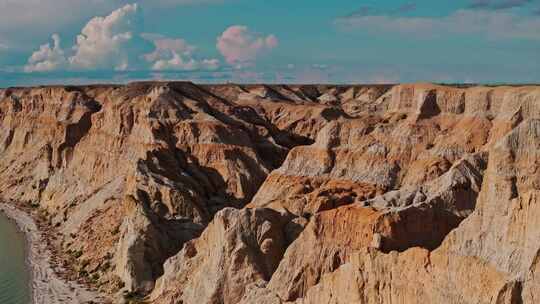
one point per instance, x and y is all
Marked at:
(183, 193)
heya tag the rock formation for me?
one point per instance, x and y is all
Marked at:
(183, 193)
(239, 247)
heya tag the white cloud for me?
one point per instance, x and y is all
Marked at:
(176, 54)
(26, 19)
(47, 58)
(241, 47)
(114, 42)
(179, 63)
(489, 24)
(105, 41)
(22, 21)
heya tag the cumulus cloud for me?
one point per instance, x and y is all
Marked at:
(105, 41)
(241, 47)
(23, 20)
(176, 54)
(47, 58)
(493, 24)
(115, 42)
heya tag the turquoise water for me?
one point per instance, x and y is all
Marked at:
(14, 277)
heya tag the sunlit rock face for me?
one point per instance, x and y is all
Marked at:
(183, 193)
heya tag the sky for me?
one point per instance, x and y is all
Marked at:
(278, 41)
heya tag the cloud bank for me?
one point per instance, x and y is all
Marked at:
(23, 20)
(114, 42)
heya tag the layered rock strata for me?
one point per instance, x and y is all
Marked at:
(183, 193)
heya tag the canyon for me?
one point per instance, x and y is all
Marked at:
(175, 192)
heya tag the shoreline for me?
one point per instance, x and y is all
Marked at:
(5, 212)
(46, 286)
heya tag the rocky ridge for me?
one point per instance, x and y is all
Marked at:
(413, 193)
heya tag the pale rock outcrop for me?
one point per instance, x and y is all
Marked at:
(145, 244)
(491, 258)
(400, 220)
(370, 194)
(175, 148)
(239, 247)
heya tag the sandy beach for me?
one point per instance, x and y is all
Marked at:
(46, 286)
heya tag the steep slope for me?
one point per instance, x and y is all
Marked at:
(276, 193)
(357, 264)
(491, 258)
(94, 157)
(238, 248)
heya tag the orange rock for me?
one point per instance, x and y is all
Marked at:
(369, 194)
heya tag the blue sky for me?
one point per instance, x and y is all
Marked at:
(300, 41)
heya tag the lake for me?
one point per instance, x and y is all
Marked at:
(14, 276)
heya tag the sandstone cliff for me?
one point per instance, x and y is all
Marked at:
(184, 193)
